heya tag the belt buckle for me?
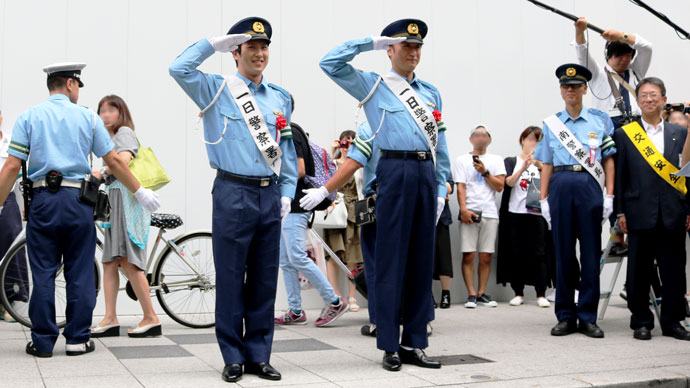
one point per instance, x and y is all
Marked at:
(421, 155)
(577, 168)
(264, 182)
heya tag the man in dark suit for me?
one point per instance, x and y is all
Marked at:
(653, 209)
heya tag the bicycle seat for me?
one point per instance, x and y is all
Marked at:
(165, 221)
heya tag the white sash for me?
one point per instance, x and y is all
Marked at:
(269, 148)
(575, 148)
(416, 107)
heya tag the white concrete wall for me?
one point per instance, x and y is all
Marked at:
(492, 60)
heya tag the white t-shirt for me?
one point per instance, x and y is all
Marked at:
(479, 195)
(518, 196)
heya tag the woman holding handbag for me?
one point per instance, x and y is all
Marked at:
(127, 231)
(345, 242)
(524, 240)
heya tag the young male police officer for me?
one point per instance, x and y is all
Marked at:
(249, 143)
(575, 142)
(57, 137)
(411, 183)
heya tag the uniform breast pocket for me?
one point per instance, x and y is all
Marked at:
(236, 129)
(271, 119)
(393, 115)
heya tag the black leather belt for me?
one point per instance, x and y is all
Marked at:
(248, 180)
(576, 168)
(414, 155)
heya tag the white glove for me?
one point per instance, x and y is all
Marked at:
(313, 197)
(285, 205)
(148, 199)
(608, 205)
(228, 43)
(545, 211)
(441, 203)
(382, 42)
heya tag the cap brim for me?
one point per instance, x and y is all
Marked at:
(572, 81)
(414, 39)
(260, 37)
(81, 84)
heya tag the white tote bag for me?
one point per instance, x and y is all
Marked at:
(334, 217)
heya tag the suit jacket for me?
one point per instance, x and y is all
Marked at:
(641, 194)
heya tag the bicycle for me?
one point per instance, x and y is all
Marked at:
(182, 276)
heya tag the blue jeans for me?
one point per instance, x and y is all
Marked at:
(293, 258)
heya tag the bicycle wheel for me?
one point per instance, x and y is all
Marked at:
(16, 284)
(187, 281)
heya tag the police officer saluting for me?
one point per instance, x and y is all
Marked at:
(411, 182)
(57, 137)
(249, 143)
(576, 150)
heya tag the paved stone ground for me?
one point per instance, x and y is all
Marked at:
(501, 347)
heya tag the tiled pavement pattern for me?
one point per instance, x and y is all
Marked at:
(502, 347)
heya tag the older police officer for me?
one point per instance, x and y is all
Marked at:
(249, 143)
(57, 137)
(576, 150)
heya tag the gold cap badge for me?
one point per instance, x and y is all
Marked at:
(258, 27)
(592, 135)
(413, 28)
(570, 72)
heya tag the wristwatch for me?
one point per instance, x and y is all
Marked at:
(486, 173)
(625, 37)
(103, 174)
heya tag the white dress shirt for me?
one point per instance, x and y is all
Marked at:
(655, 134)
(602, 97)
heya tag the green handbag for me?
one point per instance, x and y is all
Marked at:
(146, 168)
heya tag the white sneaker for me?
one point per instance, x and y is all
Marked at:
(543, 302)
(471, 302)
(518, 300)
(551, 296)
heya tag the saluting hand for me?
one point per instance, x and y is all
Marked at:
(228, 43)
(382, 42)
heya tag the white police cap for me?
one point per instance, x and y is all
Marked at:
(66, 69)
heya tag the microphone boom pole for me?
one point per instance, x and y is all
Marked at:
(564, 14)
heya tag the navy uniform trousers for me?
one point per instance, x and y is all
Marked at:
(367, 239)
(246, 249)
(17, 275)
(405, 217)
(576, 203)
(61, 229)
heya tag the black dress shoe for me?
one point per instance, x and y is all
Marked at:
(564, 327)
(677, 332)
(369, 330)
(591, 330)
(31, 349)
(642, 333)
(391, 361)
(417, 357)
(232, 373)
(262, 369)
(445, 301)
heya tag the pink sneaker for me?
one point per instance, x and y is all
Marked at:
(290, 318)
(331, 313)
